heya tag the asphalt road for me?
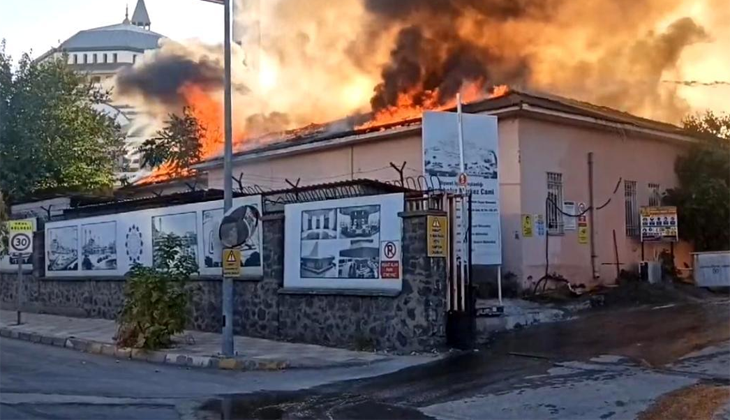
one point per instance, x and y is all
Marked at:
(608, 365)
(45, 382)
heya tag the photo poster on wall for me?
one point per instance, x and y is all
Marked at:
(9, 263)
(351, 243)
(442, 159)
(110, 245)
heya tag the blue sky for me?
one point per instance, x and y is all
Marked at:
(42, 24)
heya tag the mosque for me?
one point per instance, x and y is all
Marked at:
(103, 52)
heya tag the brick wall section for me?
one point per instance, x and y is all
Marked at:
(412, 320)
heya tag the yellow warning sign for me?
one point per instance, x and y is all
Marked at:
(438, 236)
(582, 235)
(25, 226)
(231, 262)
(527, 226)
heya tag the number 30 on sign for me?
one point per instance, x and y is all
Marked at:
(21, 236)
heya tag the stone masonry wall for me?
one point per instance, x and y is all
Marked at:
(412, 320)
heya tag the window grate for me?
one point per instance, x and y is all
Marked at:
(554, 216)
(632, 211)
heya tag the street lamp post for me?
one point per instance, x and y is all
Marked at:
(227, 290)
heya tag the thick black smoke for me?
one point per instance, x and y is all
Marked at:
(431, 54)
(161, 79)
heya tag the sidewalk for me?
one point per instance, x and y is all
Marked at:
(193, 348)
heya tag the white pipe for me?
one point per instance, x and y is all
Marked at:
(461, 131)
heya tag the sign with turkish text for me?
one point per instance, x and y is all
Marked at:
(570, 222)
(231, 262)
(659, 224)
(438, 236)
(20, 238)
(442, 161)
(583, 235)
(540, 224)
(527, 226)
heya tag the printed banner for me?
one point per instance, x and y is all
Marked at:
(441, 159)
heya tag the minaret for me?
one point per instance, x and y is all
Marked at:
(126, 15)
(140, 17)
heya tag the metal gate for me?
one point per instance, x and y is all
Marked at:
(460, 304)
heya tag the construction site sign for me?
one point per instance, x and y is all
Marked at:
(231, 262)
(659, 224)
(438, 236)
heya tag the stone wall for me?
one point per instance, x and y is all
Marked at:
(411, 320)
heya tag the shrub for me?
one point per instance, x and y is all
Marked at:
(156, 298)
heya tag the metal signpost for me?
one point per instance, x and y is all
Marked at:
(227, 342)
(21, 245)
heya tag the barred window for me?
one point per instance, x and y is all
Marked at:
(655, 195)
(555, 203)
(632, 210)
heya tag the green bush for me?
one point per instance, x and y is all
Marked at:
(156, 297)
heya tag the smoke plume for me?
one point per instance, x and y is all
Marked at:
(298, 62)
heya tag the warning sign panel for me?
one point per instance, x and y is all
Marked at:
(527, 226)
(390, 260)
(438, 236)
(231, 262)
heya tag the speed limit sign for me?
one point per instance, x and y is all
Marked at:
(21, 236)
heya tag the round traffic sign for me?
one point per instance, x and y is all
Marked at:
(390, 250)
(238, 226)
(20, 242)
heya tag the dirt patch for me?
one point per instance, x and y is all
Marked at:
(698, 402)
(630, 293)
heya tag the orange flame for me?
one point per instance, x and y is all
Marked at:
(209, 112)
(407, 108)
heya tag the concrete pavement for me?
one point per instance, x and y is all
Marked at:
(192, 348)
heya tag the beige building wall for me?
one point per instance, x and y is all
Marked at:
(529, 148)
(552, 147)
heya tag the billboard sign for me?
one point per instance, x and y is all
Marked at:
(441, 159)
(351, 243)
(659, 224)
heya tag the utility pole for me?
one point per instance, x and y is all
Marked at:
(227, 289)
(227, 342)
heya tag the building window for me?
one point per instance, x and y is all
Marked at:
(95, 59)
(115, 57)
(76, 59)
(105, 58)
(554, 214)
(96, 79)
(632, 210)
(134, 59)
(86, 59)
(655, 195)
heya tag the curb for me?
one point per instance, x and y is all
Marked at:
(159, 357)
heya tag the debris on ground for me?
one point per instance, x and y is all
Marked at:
(699, 401)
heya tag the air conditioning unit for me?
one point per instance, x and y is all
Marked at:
(651, 271)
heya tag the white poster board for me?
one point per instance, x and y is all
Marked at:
(108, 246)
(481, 163)
(352, 243)
(9, 263)
(570, 223)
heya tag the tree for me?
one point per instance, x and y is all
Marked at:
(155, 297)
(703, 195)
(177, 145)
(3, 227)
(51, 136)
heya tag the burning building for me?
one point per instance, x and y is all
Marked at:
(544, 146)
(323, 102)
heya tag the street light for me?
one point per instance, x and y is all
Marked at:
(227, 301)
